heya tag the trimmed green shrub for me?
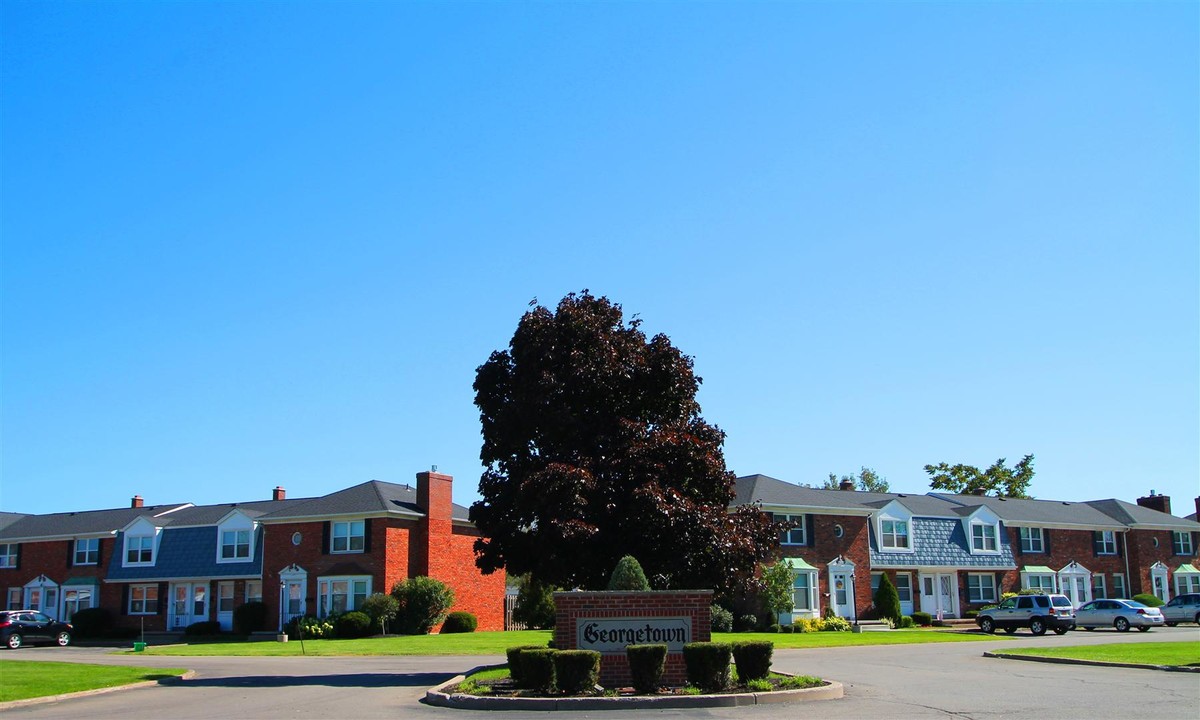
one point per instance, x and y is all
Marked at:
(628, 575)
(835, 624)
(707, 664)
(353, 624)
(92, 622)
(576, 671)
(745, 623)
(537, 668)
(787, 629)
(753, 659)
(535, 604)
(1148, 599)
(722, 619)
(887, 600)
(382, 609)
(923, 619)
(971, 614)
(424, 603)
(515, 668)
(775, 628)
(459, 622)
(249, 617)
(906, 621)
(204, 627)
(646, 665)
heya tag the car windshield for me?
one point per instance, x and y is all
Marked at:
(1060, 601)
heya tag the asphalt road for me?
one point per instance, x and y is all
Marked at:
(905, 681)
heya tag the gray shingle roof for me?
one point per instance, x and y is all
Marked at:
(769, 491)
(1132, 514)
(70, 524)
(186, 552)
(369, 498)
(941, 542)
(210, 514)
(8, 518)
(1035, 512)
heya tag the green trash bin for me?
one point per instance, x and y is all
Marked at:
(139, 647)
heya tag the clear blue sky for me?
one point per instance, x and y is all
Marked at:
(259, 244)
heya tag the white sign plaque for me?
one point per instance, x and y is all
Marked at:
(610, 635)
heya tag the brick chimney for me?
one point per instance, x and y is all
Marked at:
(278, 493)
(846, 485)
(136, 502)
(1161, 503)
(1198, 509)
(433, 533)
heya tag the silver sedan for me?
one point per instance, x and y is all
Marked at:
(1119, 614)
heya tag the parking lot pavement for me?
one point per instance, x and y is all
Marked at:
(896, 681)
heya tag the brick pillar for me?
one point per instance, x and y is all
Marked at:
(431, 550)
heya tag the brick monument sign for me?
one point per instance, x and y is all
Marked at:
(609, 621)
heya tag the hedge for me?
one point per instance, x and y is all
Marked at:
(537, 667)
(576, 671)
(707, 664)
(646, 665)
(516, 669)
(459, 622)
(753, 659)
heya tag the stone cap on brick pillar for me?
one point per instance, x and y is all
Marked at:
(435, 496)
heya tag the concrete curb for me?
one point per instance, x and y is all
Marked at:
(98, 691)
(1095, 663)
(438, 696)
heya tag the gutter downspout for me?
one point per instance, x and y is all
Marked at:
(1128, 579)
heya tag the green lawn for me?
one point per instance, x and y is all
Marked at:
(28, 679)
(495, 643)
(1160, 653)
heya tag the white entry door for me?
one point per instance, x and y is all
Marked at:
(842, 596)
(189, 604)
(225, 605)
(904, 591)
(937, 594)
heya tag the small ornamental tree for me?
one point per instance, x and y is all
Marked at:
(382, 609)
(535, 604)
(423, 602)
(628, 575)
(887, 600)
(777, 588)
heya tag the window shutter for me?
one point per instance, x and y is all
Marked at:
(1117, 540)
(810, 536)
(325, 530)
(162, 597)
(125, 599)
(18, 565)
(1097, 538)
(367, 535)
(70, 553)
(1195, 542)
(1046, 541)
(1017, 549)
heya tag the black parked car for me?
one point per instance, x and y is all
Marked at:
(18, 627)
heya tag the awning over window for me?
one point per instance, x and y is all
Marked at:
(81, 581)
(1037, 570)
(1187, 569)
(797, 563)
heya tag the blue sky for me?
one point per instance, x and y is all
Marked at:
(259, 244)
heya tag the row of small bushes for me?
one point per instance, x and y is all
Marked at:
(547, 670)
(708, 663)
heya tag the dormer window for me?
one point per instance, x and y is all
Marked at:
(894, 534)
(235, 545)
(139, 549)
(983, 537)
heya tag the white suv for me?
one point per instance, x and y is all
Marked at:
(1182, 608)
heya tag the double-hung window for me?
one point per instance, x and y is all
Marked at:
(981, 587)
(1181, 543)
(1098, 589)
(1119, 585)
(336, 595)
(253, 591)
(14, 599)
(8, 555)
(143, 599)
(797, 535)
(348, 536)
(139, 549)
(895, 534)
(87, 551)
(983, 537)
(235, 545)
(1032, 540)
(1106, 542)
(802, 585)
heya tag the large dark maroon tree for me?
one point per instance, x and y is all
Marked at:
(595, 449)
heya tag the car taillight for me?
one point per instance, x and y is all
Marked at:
(5, 623)
(1141, 611)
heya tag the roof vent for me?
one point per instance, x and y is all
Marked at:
(1066, 503)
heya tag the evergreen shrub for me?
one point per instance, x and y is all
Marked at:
(745, 623)
(722, 619)
(628, 575)
(753, 659)
(92, 622)
(459, 622)
(646, 665)
(249, 617)
(423, 602)
(707, 664)
(923, 619)
(537, 668)
(576, 671)
(353, 624)
(204, 627)
(515, 669)
(1148, 599)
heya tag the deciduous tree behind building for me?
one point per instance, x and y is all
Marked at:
(594, 449)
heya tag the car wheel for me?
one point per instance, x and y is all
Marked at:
(1010, 630)
(1197, 618)
(1170, 624)
(987, 625)
(63, 639)
(1037, 626)
(1060, 631)
(14, 641)
(1089, 628)
(1143, 628)
(1121, 624)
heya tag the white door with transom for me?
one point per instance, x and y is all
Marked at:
(1075, 581)
(841, 587)
(939, 592)
(1158, 582)
(41, 593)
(292, 582)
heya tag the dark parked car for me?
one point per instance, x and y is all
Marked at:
(1036, 612)
(18, 627)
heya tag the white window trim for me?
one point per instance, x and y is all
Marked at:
(1185, 548)
(125, 562)
(8, 558)
(221, 545)
(1191, 579)
(1158, 570)
(253, 598)
(1098, 581)
(802, 527)
(324, 602)
(143, 586)
(908, 534)
(1124, 587)
(991, 578)
(1025, 584)
(85, 552)
(1105, 535)
(814, 609)
(349, 537)
(995, 538)
(13, 600)
(1041, 540)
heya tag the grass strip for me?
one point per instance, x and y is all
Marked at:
(1151, 653)
(24, 679)
(848, 639)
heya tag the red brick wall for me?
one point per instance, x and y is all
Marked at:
(1143, 553)
(854, 545)
(614, 669)
(1065, 546)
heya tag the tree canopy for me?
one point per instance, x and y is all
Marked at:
(594, 448)
(996, 480)
(868, 481)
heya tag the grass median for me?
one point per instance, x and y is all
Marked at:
(495, 643)
(1142, 653)
(24, 679)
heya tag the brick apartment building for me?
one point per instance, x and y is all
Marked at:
(165, 567)
(947, 554)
